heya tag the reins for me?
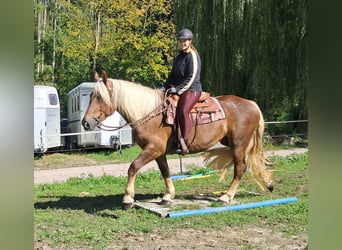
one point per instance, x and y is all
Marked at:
(136, 123)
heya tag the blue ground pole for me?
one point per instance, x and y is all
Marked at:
(231, 208)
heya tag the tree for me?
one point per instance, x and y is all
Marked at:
(132, 40)
(254, 49)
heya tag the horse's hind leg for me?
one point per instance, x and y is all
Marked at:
(239, 169)
(170, 189)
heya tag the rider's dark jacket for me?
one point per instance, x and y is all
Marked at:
(185, 73)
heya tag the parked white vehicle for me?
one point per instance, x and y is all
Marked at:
(46, 118)
(78, 101)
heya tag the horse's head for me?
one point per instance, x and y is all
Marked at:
(100, 106)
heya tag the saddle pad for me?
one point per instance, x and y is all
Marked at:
(199, 115)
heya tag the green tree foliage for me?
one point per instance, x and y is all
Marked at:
(254, 49)
(131, 40)
(139, 47)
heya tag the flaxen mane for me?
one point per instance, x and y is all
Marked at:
(140, 99)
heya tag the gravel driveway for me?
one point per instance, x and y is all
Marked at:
(60, 175)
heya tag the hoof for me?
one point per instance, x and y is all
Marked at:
(127, 206)
(225, 200)
(270, 188)
(165, 202)
(224, 203)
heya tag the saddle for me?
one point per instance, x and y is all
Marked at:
(206, 110)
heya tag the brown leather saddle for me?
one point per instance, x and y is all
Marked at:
(206, 110)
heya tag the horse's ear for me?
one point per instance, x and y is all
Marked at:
(109, 86)
(104, 76)
(107, 82)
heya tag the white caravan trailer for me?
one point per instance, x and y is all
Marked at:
(46, 118)
(78, 101)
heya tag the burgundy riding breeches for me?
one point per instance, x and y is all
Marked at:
(186, 102)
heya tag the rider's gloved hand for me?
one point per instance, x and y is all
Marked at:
(173, 91)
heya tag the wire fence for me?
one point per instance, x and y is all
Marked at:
(278, 122)
(280, 133)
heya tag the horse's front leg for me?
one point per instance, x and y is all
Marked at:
(170, 189)
(147, 155)
(128, 199)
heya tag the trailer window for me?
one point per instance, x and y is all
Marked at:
(53, 100)
(73, 104)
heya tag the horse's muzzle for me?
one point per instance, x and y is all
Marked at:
(90, 124)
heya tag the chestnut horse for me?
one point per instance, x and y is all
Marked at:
(142, 107)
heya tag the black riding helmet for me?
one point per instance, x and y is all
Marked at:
(98, 69)
(185, 34)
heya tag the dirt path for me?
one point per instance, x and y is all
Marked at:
(63, 174)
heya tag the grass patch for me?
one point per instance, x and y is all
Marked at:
(87, 211)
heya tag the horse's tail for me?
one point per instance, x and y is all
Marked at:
(222, 158)
(255, 157)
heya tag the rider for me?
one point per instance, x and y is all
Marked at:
(184, 81)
